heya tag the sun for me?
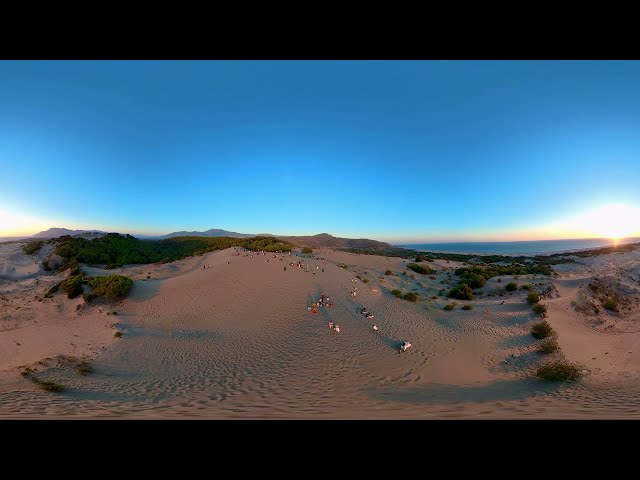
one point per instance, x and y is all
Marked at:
(615, 221)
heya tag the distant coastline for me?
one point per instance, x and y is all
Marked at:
(534, 247)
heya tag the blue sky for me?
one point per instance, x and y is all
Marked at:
(396, 151)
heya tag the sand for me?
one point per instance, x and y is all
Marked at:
(235, 340)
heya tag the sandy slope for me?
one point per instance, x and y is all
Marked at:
(236, 340)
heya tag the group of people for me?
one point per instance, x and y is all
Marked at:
(369, 316)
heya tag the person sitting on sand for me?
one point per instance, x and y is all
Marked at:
(337, 328)
(308, 308)
(331, 325)
(375, 328)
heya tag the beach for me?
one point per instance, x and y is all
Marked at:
(236, 340)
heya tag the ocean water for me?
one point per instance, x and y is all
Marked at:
(519, 248)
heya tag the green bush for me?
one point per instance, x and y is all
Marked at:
(72, 286)
(533, 297)
(467, 307)
(112, 287)
(49, 386)
(549, 346)
(449, 306)
(52, 290)
(397, 293)
(540, 309)
(307, 250)
(541, 330)
(422, 269)
(559, 371)
(419, 259)
(611, 304)
(411, 297)
(526, 286)
(32, 247)
(366, 280)
(499, 280)
(87, 297)
(84, 368)
(511, 287)
(462, 292)
(117, 334)
(388, 272)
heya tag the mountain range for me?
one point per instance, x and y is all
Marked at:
(322, 240)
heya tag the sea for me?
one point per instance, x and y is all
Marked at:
(535, 247)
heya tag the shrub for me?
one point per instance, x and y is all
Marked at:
(46, 266)
(540, 309)
(32, 247)
(358, 277)
(435, 297)
(49, 386)
(511, 287)
(541, 330)
(476, 281)
(112, 287)
(72, 286)
(397, 293)
(307, 250)
(422, 269)
(499, 280)
(117, 334)
(526, 286)
(462, 292)
(449, 306)
(388, 272)
(559, 371)
(89, 296)
(549, 346)
(611, 304)
(366, 280)
(411, 297)
(467, 307)
(343, 265)
(432, 277)
(419, 258)
(533, 297)
(84, 368)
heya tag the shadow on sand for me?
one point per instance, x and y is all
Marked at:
(502, 390)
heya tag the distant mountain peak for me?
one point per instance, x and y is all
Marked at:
(59, 232)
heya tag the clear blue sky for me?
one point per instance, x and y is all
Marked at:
(397, 151)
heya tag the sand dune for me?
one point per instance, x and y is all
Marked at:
(235, 340)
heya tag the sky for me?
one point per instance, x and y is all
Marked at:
(398, 151)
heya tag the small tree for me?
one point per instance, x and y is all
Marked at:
(307, 250)
(511, 286)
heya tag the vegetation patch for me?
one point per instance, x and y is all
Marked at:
(533, 297)
(462, 292)
(411, 297)
(559, 371)
(112, 287)
(541, 330)
(84, 368)
(540, 309)
(307, 250)
(422, 269)
(511, 287)
(388, 272)
(117, 334)
(467, 307)
(396, 293)
(32, 247)
(449, 306)
(611, 304)
(550, 345)
(72, 286)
